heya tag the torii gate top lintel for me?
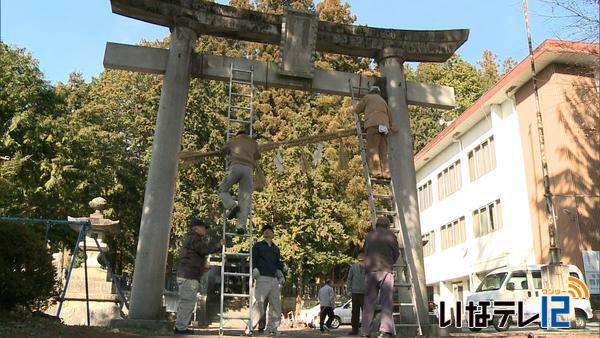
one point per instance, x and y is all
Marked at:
(242, 24)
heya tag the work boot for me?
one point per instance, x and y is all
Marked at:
(240, 230)
(233, 213)
(385, 335)
(186, 331)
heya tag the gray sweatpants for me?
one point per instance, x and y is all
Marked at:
(267, 288)
(242, 174)
(188, 288)
(383, 283)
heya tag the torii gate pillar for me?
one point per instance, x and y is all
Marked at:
(153, 243)
(402, 169)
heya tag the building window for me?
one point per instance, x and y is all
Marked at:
(449, 180)
(482, 159)
(453, 233)
(425, 196)
(487, 219)
(429, 248)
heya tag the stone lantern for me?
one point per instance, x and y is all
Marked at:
(104, 304)
(100, 225)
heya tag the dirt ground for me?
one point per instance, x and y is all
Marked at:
(40, 325)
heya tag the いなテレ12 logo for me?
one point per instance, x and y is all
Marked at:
(558, 302)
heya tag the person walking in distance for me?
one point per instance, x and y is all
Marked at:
(377, 126)
(355, 284)
(381, 252)
(192, 265)
(327, 302)
(243, 156)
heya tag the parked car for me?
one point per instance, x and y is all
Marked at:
(344, 308)
(524, 283)
(342, 314)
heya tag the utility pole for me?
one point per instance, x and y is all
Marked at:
(554, 275)
(549, 198)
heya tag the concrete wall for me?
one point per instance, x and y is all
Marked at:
(571, 109)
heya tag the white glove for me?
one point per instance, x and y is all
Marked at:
(255, 273)
(280, 277)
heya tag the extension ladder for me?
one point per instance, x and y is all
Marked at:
(383, 203)
(236, 264)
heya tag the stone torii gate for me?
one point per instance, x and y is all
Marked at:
(299, 36)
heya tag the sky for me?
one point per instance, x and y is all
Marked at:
(70, 35)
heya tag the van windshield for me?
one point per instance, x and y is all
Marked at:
(492, 282)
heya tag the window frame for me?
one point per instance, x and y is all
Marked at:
(493, 221)
(480, 163)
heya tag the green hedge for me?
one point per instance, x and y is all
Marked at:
(27, 276)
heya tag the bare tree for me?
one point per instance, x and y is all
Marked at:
(582, 17)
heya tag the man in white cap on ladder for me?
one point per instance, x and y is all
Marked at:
(243, 157)
(377, 126)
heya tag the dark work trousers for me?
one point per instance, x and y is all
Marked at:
(262, 323)
(326, 311)
(357, 304)
(381, 282)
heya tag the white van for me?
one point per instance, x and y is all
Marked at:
(524, 283)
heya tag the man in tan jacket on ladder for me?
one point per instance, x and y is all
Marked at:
(377, 126)
(243, 157)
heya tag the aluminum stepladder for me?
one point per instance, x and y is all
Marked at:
(240, 111)
(405, 311)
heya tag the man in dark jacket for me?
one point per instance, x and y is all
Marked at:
(356, 287)
(381, 252)
(192, 265)
(268, 271)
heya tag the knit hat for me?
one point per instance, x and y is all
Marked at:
(382, 221)
(197, 222)
(375, 89)
(266, 227)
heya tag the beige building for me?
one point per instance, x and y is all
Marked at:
(480, 184)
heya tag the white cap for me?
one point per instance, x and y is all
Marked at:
(374, 89)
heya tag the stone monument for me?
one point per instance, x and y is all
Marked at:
(104, 305)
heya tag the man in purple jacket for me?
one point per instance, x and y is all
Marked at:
(192, 265)
(381, 252)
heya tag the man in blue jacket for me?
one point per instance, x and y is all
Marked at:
(268, 272)
(192, 265)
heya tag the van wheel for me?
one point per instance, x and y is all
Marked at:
(496, 323)
(580, 319)
(336, 322)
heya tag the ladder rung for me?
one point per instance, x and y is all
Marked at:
(380, 180)
(405, 285)
(235, 317)
(241, 81)
(239, 121)
(386, 212)
(241, 70)
(239, 274)
(404, 304)
(407, 325)
(382, 196)
(239, 254)
(241, 107)
(236, 295)
(243, 95)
